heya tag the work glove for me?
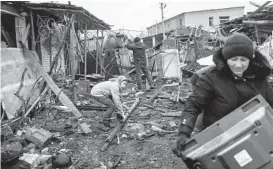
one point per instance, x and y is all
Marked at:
(180, 144)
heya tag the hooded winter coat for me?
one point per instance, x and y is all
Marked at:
(219, 92)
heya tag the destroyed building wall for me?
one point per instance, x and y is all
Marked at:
(12, 68)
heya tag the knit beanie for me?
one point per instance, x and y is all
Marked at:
(238, 45)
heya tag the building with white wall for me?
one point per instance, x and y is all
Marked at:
(206, 18)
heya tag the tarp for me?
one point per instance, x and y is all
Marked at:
(12, 67)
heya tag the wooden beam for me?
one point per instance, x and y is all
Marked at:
(257, 35)
(85, 46)
(97, 46)
(101, 63)
(261, 22)
(8, 9)
(33, 41)
(73, 60)
(258, 10)
(7, 38)
(254, 4)
(26, 33)
(35, 67)
(113, 134)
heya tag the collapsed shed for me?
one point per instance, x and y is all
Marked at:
(51, 31)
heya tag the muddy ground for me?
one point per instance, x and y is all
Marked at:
(140, 146)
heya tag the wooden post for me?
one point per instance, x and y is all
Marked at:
(257, 34)
(72, 59)
(101, 64)
(97, 45)
(32, 31)
(258, 10)
(50, 49)
(113, 134)
(85, 46)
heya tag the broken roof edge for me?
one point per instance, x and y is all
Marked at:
(80, 11)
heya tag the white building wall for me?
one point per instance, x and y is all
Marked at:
(196, 19)
(202, 17)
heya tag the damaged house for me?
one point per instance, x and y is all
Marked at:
(51, 32)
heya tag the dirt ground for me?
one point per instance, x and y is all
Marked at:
(139, 147)
(153, 151)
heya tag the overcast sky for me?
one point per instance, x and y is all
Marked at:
(140, 14)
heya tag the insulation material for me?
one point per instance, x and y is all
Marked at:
(12, 66)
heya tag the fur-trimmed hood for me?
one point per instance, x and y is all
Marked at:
(259, 67)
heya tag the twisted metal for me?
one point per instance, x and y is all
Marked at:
(46, 25)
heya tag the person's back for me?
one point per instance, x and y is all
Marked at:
(104, 88)
(140, 62)
(138, 50)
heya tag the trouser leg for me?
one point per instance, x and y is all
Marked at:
(147, 72)
(138, 75)
(109, 103)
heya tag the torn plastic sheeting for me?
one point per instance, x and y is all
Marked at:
(12, 66)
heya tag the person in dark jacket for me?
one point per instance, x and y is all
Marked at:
(140, 62)
(194, 79)
(239, 75)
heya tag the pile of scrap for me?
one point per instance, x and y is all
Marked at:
(257, 25)
(18, 137)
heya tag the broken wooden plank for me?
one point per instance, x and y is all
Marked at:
(172, 114)
(21, 84)
(260, 22)
(85, 51)
(131, 71)
(155, 95)
(26, 33)
(258, 10)
(113, 134)
(37, 100)
(33, 44)
(7, 37)
(254, 4)
(91, 107)
(35, 66)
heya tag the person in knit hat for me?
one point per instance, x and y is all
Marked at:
(108, 93)
(240, 73)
